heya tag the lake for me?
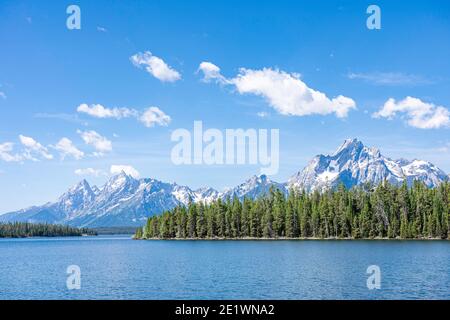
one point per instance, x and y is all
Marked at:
(116, 267)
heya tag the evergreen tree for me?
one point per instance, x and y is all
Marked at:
(361, 212)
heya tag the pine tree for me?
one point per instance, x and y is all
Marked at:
(201, 222)
(192, 221)
(385, 210)
(245, 223)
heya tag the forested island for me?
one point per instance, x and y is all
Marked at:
(26, 230)
(382, 212)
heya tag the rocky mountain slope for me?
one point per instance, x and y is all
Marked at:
(126, 201)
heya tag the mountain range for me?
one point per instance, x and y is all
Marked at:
(126, 201)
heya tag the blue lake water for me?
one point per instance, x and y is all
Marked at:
(115, 267)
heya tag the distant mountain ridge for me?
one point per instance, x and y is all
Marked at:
(126, 201)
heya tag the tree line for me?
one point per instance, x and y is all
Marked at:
(364, 212)
(25, 229)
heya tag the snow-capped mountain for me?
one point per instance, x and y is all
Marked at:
(71, 203)
(126, 201)
(253, 188)
(355, 164)
(122, 201)
(205, 195)
(423, 171)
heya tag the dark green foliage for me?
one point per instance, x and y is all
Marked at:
(24, 230)
(365, 212)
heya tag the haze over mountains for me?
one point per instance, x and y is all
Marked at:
(126, 201)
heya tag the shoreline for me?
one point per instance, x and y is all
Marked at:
(288, 239)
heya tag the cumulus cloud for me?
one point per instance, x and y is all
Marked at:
(155, 66)
(285, 92)
(6, 155)
(417, 113)
(150, 117)
(32, 147)
(211, 72)
(99, 111)
(32, 150)
(89, 172)
(100, 143)
(154, 116)
(129, 170)
(66, 148)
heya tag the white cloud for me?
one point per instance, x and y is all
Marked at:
(101, 29)
(129, 170)
(154, 116)
(389, 78)
(66, 148)
(99, 111)
(32, 146)
(100, 143)
(285, 92)
(211, 72)
(5, 153)
(89, 172)
(155, 66)
(150, 117)
(417, 113)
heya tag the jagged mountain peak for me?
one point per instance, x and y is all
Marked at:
(254, 187)
(261, 179)
(353, 163)
(82, 185)
(124, 200)
(354, 149)
(122, 176)
(349, 145)
(81, 189)
(119, 181)
(205, 195)
(257, 179)
(252, 182)
(76, 198)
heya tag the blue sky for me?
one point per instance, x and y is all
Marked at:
(47, 71)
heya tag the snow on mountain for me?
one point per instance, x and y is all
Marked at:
(355, 164)
(126, 201)
(253, 188)
(423, 171)
(206, 195)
